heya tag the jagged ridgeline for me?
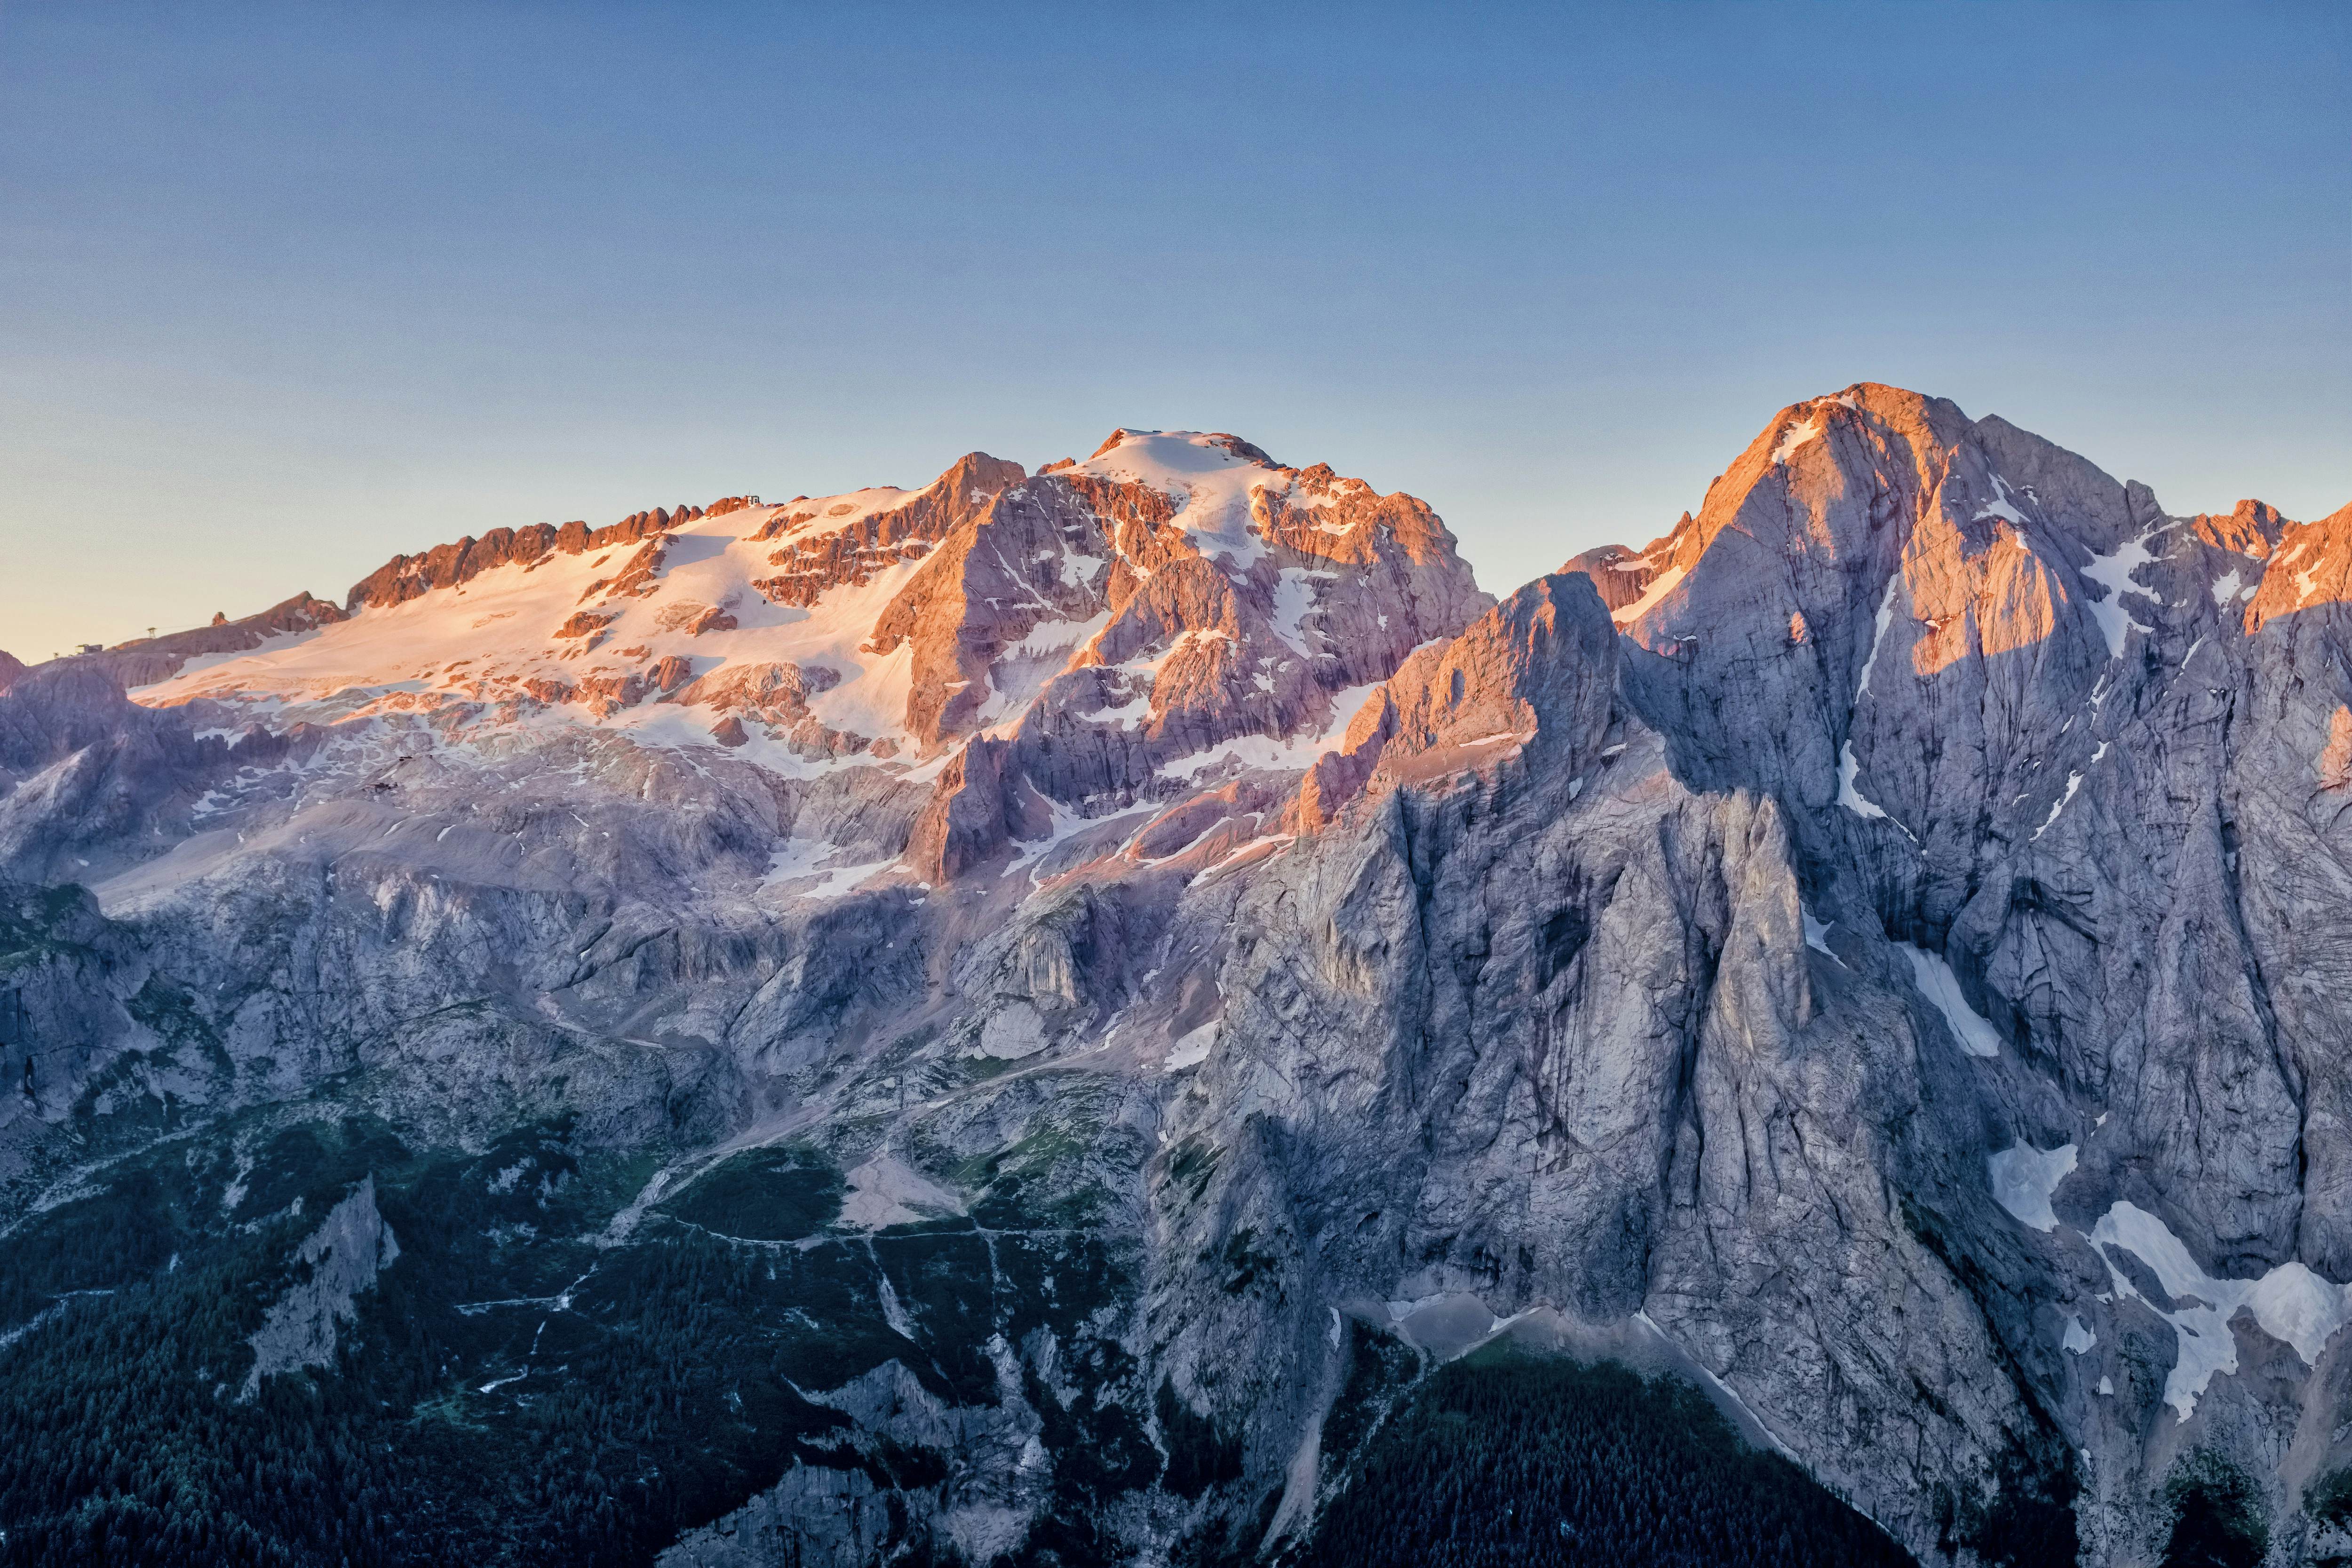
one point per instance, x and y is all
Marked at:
(1103, 1014)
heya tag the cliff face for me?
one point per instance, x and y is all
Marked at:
(1881, 948)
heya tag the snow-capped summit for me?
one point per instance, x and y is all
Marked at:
(1175, 608)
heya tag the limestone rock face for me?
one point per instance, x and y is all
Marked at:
(1885, 946)
(344, 1254)
(2314, 567)
(1536, 673)
(816, 556)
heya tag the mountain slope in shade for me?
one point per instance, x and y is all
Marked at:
(1084, 986)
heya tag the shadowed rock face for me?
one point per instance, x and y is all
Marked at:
(1886, 944)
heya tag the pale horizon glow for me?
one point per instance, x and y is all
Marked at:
(290, 292)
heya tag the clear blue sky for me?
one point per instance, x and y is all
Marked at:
(285, 289)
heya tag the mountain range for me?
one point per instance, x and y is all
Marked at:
(1061, 1016)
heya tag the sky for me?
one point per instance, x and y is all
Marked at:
(288, 289)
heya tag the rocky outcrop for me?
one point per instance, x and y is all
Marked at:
(814, 557)
(335, 1264)
(1254, 612)
(406, 577)
(69, 978)
(1618, 574)
(2251, 529)
(696, 619)
(977, 807)
(89, 778)
(1034, 554)
(1537, 674)
(2310, 566)
(2010, 666)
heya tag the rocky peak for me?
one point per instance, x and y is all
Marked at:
(1866, 549)
(1186, 572)
(2251, 529)
(1175, 610)
(1034, 556)
(1175, 597)
(2311, 565)
(1535, 676)
(849, 541)
(1621, 576)
(1217, 440)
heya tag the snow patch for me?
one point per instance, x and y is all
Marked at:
(800, 859)
(1658, 589)
(2000, 506)
(847, 879)
(2073, 782)
(1293, 601)
(2114, 572)
(2024, 1177)
(2290, 1303)
(1853, 799)
(1793, 439)
(1047, 639)
(1191, 1049)
(1817, 935)
(1297, 752)
(1941, 987)
(1067, 825)
(1209, 483)
(1886, 619)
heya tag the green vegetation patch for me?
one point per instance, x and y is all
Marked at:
(2215, 1515)
(1041, 1180)
(515, 1388)
(1200, 1454)
(783, 1193)
(36, 923)
(1380, 1366)
(509, 1393)
(2329, 1500)
(1506, 1460)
